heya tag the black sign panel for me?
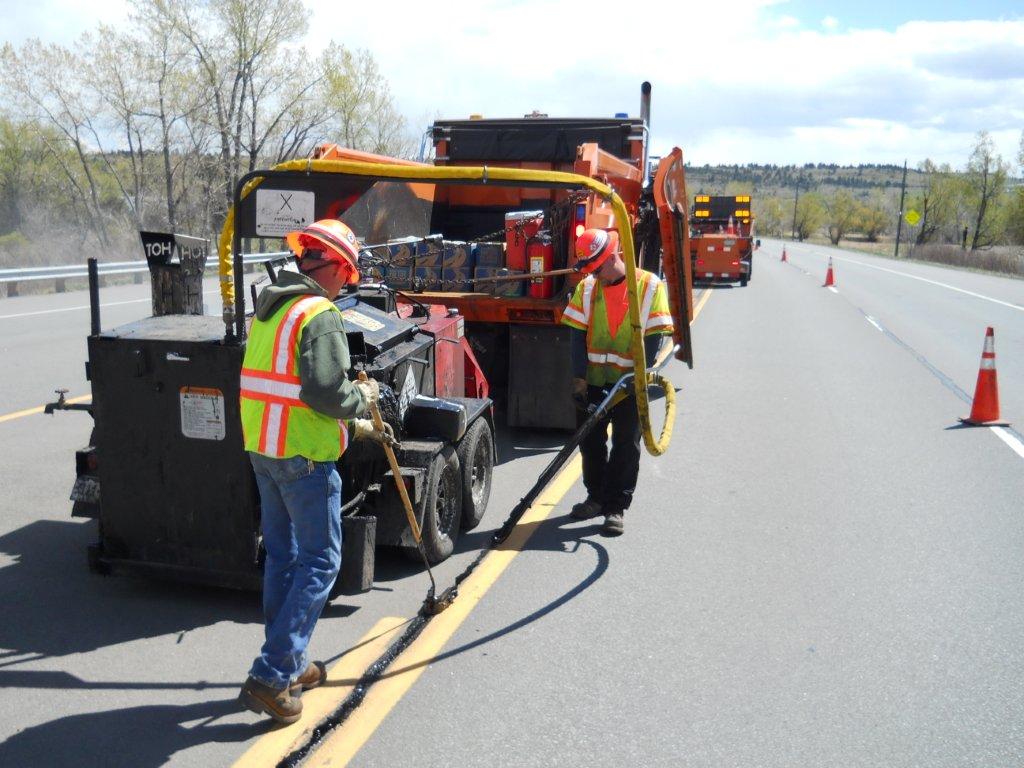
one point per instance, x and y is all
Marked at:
(164, 249)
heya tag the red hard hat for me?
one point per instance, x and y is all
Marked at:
(594, 247)
(334, 239)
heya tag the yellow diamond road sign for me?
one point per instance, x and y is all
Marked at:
(912, 217)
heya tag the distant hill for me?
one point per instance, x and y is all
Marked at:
(782, 180)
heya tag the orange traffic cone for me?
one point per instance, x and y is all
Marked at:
(784, 254)
(985, 408)
(830, 278)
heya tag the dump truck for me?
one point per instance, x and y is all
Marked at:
(165, 473)
(722, 240)
(513, 232)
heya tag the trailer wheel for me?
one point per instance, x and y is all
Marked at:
(476, 457)
(442, 506)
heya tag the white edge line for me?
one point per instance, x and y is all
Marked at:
(933, 282)
(874, 322)
(1015, 445)
(85, 306)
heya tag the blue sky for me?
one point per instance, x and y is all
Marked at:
(872, 14)
(770, 81)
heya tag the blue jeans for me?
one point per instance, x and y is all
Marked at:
(300, 503)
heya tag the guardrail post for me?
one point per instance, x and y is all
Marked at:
(59, 285)
(12, 289)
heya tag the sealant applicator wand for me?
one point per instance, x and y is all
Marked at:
(432, 604)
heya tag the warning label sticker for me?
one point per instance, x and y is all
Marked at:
(407, 393)
(202, 413)
(280, 211)
(360, 320)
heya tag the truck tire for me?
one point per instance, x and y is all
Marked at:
(476, 458)
(442, 506)
(743, 281)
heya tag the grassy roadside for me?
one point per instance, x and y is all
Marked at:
(1004, 261)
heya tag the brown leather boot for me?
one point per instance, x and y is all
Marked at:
(312, 676)
(276, 702)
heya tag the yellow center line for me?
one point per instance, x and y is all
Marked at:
(700, 304)
(274, 746)
(40, 408)
(341, 745)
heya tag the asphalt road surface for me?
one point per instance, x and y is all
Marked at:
(824, 569)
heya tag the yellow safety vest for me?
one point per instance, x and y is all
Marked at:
(275, 422)
(610, 356)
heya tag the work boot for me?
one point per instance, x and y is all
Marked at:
(312, 677)
(276, 702)
(585, 510)
(613, 523)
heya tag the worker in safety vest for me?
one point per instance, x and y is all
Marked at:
(298, 412)
(599, 316)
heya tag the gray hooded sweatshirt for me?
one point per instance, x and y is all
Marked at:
(323, 350)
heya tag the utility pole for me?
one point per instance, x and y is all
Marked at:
(795, 201)
(899, 220)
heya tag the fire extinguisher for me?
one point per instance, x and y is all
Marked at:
(540, 257)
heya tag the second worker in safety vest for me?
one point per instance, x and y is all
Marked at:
(298, 410)
(601, 354)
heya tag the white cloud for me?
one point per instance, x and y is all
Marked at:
(58, 21)
(738, 83)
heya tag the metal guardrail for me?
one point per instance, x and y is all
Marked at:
(71, 271)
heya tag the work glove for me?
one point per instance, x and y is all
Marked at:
(364, 428)
(579, 393)
(371, 391)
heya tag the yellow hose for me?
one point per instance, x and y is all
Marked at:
(426, 173)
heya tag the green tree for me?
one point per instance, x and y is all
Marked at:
(875, 217)
(769, 215)
(842, 215)
(365, 116)
(811, 215)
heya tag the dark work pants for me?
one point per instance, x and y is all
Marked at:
(610, 478)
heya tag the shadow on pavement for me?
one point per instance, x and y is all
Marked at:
(512, 444)
(135, 737)
(552, 536)
(54, 606)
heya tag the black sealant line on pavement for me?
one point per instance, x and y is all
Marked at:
(374, 673)
(947, 382)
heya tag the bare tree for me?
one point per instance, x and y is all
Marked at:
(986, 182)
(111, 67)
(43, 81)
(232, 42)
(936, 202)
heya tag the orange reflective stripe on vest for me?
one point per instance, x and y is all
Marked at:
(275, 421)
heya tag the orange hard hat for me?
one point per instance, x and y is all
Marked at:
(593, 248)
(333, 240)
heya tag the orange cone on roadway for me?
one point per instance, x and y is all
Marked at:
(985, 408)
(784, 254)
(830, 278)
